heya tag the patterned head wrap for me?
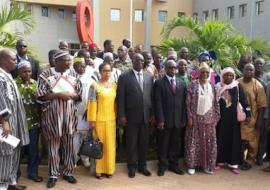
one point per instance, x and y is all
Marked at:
(78, 59)
(23, 64)
(60, 54)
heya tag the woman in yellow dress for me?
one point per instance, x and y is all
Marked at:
(102, 113)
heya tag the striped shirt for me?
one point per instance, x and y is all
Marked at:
(58, 116)
(11, 102)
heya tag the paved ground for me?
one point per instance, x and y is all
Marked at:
(254, 179)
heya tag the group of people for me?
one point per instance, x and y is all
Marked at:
(93, 93)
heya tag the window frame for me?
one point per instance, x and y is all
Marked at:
(165, 16)
(205, 15)
(59, 11)
(115, 18)
(259, 9)
(42, 11)
(215, 14)
(243, 10)
(231, 12)
(142, 15)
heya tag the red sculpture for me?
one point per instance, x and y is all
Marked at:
(85, 21)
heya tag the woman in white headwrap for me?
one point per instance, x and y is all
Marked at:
(229, 92)
(203, 115)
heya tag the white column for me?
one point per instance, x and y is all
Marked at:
(96, 8)
(131, 20)
(147, 24)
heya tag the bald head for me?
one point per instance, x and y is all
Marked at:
(122, 51)
(183, 53)
(63, 45)
(7, 59)
(170, 68)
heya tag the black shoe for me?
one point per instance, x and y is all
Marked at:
(266, 159)
(177, 170)
(51, 182)
(259, 162)
(161, 172)
(131, 173)
(144, 171)
(245, 166)
(16, 187)
(36, 178)
(70, 179)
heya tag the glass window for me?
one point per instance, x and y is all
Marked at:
(259, 7)
(115, 14)
(205, 15)
(231, 12)
(74, 17)
(61, 13)
(138, 15)
(162, 16)
(215, 14)
(242, 10)
(74, 47)
(195, 16)
(45, 11)
(181, 14)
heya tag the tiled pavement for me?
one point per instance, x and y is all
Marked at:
(254, 179)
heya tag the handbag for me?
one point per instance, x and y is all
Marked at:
(241, 115)
(92, 148)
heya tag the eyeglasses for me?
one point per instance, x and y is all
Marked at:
(22, 46)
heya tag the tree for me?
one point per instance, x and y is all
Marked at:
(215, 35)
(10, 19)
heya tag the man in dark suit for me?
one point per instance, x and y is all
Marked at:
(169, 101)
(134, 112)
(21, 47)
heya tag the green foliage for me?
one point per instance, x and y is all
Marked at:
(10, 20)
(216, 35)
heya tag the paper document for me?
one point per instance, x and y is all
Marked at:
(11, 140)
(63, 85)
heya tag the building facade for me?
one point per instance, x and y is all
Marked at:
(249, 17)
(115, 20)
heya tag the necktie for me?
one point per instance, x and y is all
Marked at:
(140, 80)
(173, 85)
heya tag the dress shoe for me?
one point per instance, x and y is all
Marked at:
(177, 170)
(70, 179)
(161, 172)
(267, 169)
(16, 187)
(131, 173)
(36, 178)
(245, 166)
(51, 182)
(144, 171)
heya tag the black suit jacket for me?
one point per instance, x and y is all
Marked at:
(169, 106)
(34, 65)
(132, 102)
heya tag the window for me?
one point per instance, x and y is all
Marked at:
(205, 15)
(138, 15)
(74, 17)
(259, 7)
(195, 16)
(162, 16)
(180, 14)
(45, 11)
(115, 14)
(61, 13)
(215, 14)
(242, 10)
(231, 12)
(74, 47)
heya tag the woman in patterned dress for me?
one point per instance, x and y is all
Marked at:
(203, 115)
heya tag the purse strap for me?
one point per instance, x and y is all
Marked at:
(94, 132)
